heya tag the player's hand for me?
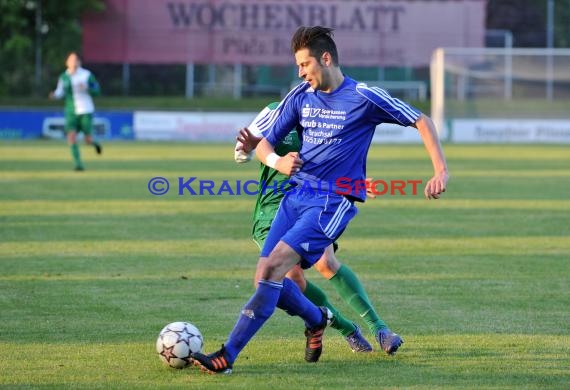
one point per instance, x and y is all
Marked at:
(436, 186)
(247, 142)
(289, 164)
(369, 190)
(51, 95)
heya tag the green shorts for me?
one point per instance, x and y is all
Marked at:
(260, 230)
(79, 123)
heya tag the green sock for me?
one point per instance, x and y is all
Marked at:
(75, 155)
(352, 292)
(319, 298)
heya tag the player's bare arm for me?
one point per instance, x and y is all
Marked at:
(287, 165)
(369, 190)
(437, 184)
(247, 142)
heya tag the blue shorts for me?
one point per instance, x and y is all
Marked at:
(309, 223)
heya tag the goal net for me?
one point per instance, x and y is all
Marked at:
(513, 89)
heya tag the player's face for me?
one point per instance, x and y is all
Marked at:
(310, 69)
(72, 62)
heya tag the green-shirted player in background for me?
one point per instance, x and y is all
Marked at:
(76, 86)
(341, 276)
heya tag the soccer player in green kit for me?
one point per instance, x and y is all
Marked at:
(273, 186)
(76, 86)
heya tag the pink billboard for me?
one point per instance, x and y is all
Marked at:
(368, 33)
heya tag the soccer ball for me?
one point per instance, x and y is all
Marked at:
(176, 342)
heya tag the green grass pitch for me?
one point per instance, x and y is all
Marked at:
(92, 266)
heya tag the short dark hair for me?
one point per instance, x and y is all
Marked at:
(317, 39)
(70, 53)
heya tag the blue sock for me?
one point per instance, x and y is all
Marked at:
(252, 317)
(295, 303)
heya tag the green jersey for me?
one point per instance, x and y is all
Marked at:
(76, 89)
(272, 187)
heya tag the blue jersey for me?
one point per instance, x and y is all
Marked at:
(337, 130)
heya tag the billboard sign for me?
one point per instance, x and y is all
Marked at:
(368, 33)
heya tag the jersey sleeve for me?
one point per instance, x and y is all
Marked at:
(93, 85)
(59, 92)
(253, 127)
(277, 123)
(388, 109)
(239, 155)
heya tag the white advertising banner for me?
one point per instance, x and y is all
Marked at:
(223, 127)
(510, 131)
(189, 126)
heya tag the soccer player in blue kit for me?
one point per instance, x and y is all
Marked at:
(337, 117)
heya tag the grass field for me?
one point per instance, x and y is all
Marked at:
(92, 266)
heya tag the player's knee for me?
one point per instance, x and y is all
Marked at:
(258, 271)
(328, 265)
(332, 264)
(270, 272)
(279, 262)
(266, 270)
(256, 279)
